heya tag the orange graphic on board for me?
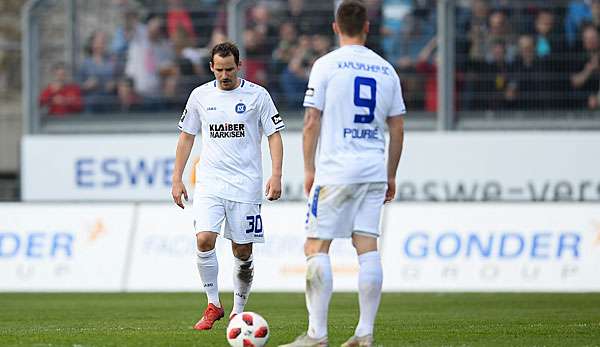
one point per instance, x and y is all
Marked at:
(97, 230)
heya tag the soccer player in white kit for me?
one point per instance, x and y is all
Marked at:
(352, 93)
(232, 114)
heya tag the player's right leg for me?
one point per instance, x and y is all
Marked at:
(319, 287)
(329, 216)
(209, 214)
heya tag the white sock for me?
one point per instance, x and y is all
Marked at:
(319, 285)
(243, 272)
(370, 278)
(208, 268)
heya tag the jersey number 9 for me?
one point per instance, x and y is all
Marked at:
(364, 102)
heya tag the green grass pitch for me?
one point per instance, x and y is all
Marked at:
(405, 319)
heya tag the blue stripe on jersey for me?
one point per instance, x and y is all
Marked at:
(215, 83)
(315, 201)
(242, 86)
(280, 127)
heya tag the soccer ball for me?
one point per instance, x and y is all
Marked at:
(247, 329)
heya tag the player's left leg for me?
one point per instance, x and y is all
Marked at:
(243, 226)
(370, 279)
(370, 274)
(243, 274)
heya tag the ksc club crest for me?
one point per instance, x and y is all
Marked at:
(240, 108)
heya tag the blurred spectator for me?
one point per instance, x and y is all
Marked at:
(500, 30)
(150, 59)
(184, 75)
(97, 74)
(548, 42)
(255, 66)
(578, 11)
(394, 15)
(294, 78)
(129, 100)
(586, 77)
(61, 97)
(374, 15)
(492, 90)
(205, 74)
(285, 46)
(428, 69)
(178, 18)
(129, 28)
(321, 45)
(526, 89)
(262, 24)
(311, 16)
(417, 32)
(478, 30)
(282, 55)
(426, 66)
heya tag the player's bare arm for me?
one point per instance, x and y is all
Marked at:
(396, 129)
(184, 148)
(273, 188)
(310, 138)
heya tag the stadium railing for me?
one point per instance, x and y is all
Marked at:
(279, 40)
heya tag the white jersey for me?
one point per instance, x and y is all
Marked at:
(356, 90)
(232, 123)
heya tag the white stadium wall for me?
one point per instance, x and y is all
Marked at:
(463, 166)
(425, 247)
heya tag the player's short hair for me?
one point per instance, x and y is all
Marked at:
(225, 49)
(351, 16)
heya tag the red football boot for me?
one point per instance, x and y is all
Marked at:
(211, 315)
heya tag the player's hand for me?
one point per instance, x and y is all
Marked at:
(177, 190)
(391, 190)
(309, 179)
(273, 188)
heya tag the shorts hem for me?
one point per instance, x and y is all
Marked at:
(366, 233)
(208, 230)
(245, 242)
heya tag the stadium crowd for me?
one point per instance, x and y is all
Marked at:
(510, 54)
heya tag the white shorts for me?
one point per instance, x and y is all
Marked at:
(243, 223)
(338, 210)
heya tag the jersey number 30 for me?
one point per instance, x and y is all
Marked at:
(364, 102)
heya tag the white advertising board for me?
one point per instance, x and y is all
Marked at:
(492, 247)
(164, 255)
(464, 166)
(47, 247)
(99, 168)
(425, 247)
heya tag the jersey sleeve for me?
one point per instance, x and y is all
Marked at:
(270, 119)
(317, 85)
(398, 108)
(190, 118)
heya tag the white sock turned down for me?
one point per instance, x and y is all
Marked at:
(243, 273)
